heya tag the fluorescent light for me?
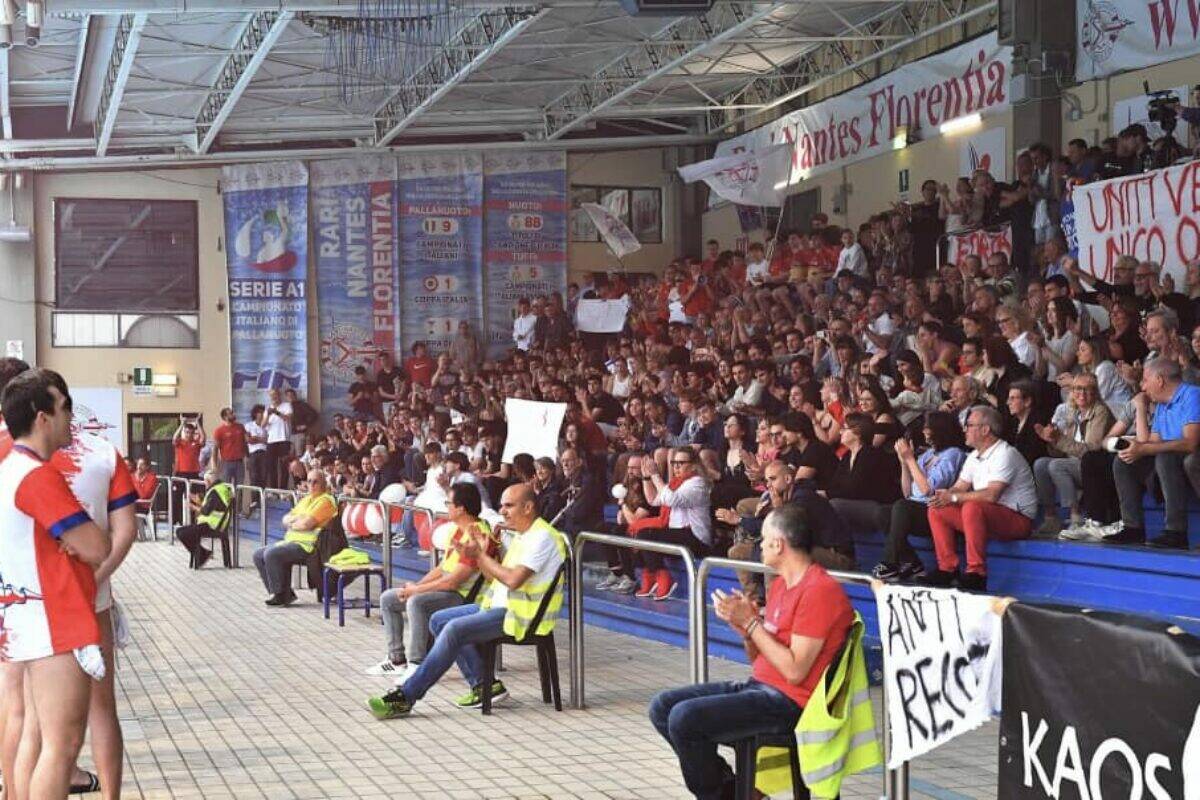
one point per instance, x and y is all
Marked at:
(961, 124)
(165, 379)
(901, 141)
(783, 184)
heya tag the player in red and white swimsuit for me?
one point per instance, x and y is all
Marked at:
(49, 548)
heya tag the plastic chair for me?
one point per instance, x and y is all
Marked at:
(547, 654)
(746, 762)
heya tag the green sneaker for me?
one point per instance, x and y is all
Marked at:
(474, 698)
(391, 705)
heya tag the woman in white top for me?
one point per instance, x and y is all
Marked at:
(1061, 339)
(689, 522)
(1093, 356)
(620, 382)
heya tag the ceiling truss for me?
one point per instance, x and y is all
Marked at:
(120, 64)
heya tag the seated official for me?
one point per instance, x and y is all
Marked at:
(803, 626)
(1168, 447)
(937, 467)
(518, 585)
(445, 586)
(302, 524)
(994, 497)
(211, 515)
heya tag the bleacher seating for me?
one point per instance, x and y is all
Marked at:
(1139, 580)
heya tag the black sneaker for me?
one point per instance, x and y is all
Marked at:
(886, 572)
(912, 571)
(1126, 536)
(282, 599)
(1170, 540)
(939, 579)
(972, 582)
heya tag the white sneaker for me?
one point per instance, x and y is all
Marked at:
(1109, 530)
(1079, 533)
(403, 677)
(624, 586)
(384, 669)
(608, 583)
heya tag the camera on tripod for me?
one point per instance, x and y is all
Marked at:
(1162, 108)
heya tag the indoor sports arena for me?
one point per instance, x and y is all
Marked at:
(601, 399)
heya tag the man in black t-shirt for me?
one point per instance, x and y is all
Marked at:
(362, 394)
(814, 461)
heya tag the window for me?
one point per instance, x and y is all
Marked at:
(639, 208)
(126, 273)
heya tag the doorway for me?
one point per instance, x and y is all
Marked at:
(150, 436)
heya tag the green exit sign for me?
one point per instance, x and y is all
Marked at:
(143, 379)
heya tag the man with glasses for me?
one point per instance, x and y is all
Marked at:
(994, 497)
(689, 522)
(1087, 423)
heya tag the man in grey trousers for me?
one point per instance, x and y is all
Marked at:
(451, 583)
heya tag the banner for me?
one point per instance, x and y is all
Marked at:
(357, 259)
(863, 122)
(99, 411)
(985, 150)
(525, 235)
(441, 234)
(266, 247)
(1098, 706)
(940, 654)
(746, 178)
(1154, 216)
(612, 230)
(981, 242)
(1116, 36)
(532, 428)
(601, 316)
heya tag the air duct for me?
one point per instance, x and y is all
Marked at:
(35, 16)
(11, 231)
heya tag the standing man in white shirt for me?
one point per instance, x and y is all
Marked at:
(524, 325)
(278, 422)
(994, 497)
(852, 258)
(256, 447)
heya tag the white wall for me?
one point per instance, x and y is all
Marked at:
(17, 287)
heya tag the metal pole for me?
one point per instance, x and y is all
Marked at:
(385, 555)
(235, 532)
(171, 507)
(575, 626)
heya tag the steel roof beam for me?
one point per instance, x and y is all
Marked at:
(173, 7)
(260, 33)
(651, 59)
(477, 41)
(86, 37)
(120, 64)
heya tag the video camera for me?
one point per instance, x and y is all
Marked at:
(1162, 108)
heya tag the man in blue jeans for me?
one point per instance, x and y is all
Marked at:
(805, 623)
(518, 585)
(1166, 447)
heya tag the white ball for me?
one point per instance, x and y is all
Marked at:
(619, 492)
(442, 534)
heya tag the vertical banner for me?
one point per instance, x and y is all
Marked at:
(357, 257)
(441, 233)
(525, 234)
(1098, 705)
(266, 237)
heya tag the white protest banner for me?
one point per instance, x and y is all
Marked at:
(1154, 216)
(981, 242)
(750, 179)
(601, 316)
(941, 652)
(532, 428)
(1113, 36)
(863, 122)
(99, 411)
(614, 232)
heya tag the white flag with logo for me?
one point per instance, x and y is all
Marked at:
(614, 232)
(758, 178)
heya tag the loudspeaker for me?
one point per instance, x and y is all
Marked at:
(667, 8)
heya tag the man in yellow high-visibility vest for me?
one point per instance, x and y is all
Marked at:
(518, 586)
(790, 644)
(301, 526)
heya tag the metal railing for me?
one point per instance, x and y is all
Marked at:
(287, 494)
(575, 620)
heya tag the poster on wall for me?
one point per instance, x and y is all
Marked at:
(441, 250)
(1098, 705)
(972, 78)
(356, 252)
(100, 411)
(525, 235)
(1114, 36)
(1136, 111)
(984, 150)
(266, 235)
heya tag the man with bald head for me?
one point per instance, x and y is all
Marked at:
(302, 525)
(516, 589)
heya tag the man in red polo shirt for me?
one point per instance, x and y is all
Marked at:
(230, 438)
(789, 645)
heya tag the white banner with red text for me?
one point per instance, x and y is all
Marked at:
(969, 79)
(1114, 36)
(980, 242)
(1154, 216)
